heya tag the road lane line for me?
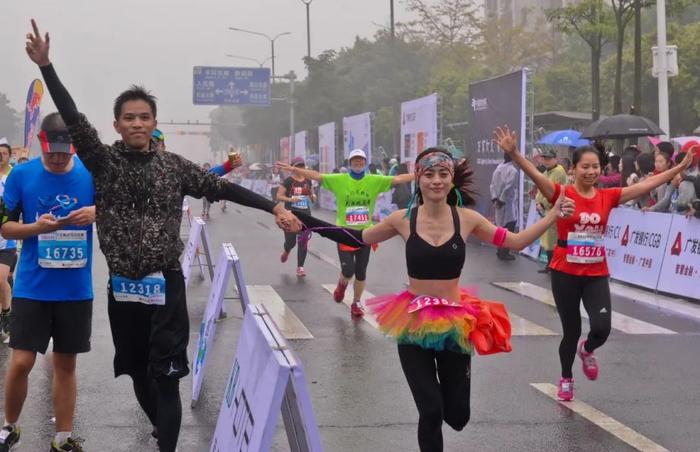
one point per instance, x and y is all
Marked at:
(524, 327)
(602, 420)
(620, 322)
(675, 305)
(348, 301)
(289, 324)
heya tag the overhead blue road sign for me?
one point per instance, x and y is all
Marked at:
(231, 86)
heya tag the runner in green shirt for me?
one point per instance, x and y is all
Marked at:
(356, 194)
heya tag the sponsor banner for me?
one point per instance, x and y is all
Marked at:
(533, 250)
(680, 272)
(634, 245)
(357, 134)
(207, 328)
(285, 150)
(32, 111)
(493, 103)
(300, 144)
(419, 126)
(326, 147)
(264, 373)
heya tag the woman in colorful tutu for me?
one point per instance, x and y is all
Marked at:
(436, 323)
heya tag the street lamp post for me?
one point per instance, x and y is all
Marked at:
(308, 27)
(393, 31)
(272, 42)
(260, 63)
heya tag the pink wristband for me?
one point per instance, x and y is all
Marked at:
(499, 238)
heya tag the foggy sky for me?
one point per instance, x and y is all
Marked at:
(101, 47)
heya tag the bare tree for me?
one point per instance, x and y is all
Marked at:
(444, 23)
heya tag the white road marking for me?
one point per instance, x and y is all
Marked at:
(602, 420)
(675, 305)
(289, 324)
(620, 322)
(524, 327)
(348, 301)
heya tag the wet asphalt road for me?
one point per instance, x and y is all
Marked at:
(648, 382)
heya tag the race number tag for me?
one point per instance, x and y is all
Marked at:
(63, 249)
(303, 202)
(585, 248)
(357, 215)
(423, 301)
(149, 290)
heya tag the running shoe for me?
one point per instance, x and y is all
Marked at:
(356, 310)
(284, 256)
(339, 292)
(9, 438)
(4, 322)
(589, 363)
(70, 445)
(300, 272)
(566, 389)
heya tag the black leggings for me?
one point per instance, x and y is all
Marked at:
(354, 263)
(290, 241)
(568, 292)
(160, 400)
(440, 384)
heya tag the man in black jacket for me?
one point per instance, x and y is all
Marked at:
(138, 195)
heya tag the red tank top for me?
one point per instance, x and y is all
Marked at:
(590, 219)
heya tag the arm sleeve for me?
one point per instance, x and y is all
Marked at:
(555, 195)
(85, 138)
(338, 234)
(384, 183)
(199, 183)
(613, 194)
(330, 181)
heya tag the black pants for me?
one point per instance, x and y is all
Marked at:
(290, 241)
(354, 263)
(160, 400)
(440, 384)
(568, 292)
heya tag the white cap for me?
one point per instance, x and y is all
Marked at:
(3, 140)
(357, 153)
(393, 161)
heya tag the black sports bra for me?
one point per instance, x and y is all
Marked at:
(425, 261)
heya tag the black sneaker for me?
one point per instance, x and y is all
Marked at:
(9, 438)
(71, 445)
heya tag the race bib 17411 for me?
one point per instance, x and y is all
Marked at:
(63, 249)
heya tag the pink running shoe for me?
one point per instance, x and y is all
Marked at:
(356, 310)
(300, 272)
(284, 256)
(339, 292)
(566, 389)
(589, 363)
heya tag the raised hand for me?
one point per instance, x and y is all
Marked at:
(284, 167)
(506, 139)
(564, 207)
(689, 156)
(37, 47)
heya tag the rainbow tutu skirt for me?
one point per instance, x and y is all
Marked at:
(438, 324)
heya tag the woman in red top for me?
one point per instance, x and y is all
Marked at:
(578, 269)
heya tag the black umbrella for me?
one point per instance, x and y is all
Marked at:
(622, 126)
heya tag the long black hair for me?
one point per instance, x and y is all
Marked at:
(462, 193)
